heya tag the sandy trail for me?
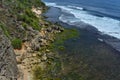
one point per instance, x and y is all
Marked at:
(24, 74)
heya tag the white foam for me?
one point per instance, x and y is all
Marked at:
(105, 25)
(79, 8)
(69, 19)
(50, 4)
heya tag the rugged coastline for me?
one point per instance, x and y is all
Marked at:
(32, 48)
(87, 57)
(34, 41)
(111, 41)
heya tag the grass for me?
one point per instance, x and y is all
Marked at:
(47, 74)
(22, 9)
(29, 18)
(5, 30)
(38, 73)
(17, 43)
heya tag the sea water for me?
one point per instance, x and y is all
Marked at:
(102, 14)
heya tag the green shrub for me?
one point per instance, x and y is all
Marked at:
(24, 25)
(30, 19)
(17, 43)
(29, 13)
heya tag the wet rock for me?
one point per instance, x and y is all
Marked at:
(115, 43)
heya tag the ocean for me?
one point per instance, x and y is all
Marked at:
(95, 53)
(104, 15)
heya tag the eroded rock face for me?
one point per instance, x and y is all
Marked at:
(8, 65)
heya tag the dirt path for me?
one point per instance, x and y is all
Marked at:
(24, 74)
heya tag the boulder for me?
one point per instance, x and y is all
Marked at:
(35, 43)
(44, 57)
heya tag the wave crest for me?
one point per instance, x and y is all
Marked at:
(105, 25)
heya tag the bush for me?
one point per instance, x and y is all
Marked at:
(30, 19)
(17, 43)
(24, 25)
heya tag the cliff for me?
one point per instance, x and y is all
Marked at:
(25, 38)
(28, 42)
(18, 24)
(8, 65)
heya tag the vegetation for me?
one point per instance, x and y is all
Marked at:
(17, 43)
(20, 11)
(30, 19)
(16, 13)
(38, 73)
(4, 29)
(61, 37)
(54, 66)
(49, 73)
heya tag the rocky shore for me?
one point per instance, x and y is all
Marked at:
(32, 48)
(109, 40)
(25, 38)
(31, 54)
(92, 56)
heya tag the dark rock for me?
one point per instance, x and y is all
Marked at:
(49, 29)
(115, 43)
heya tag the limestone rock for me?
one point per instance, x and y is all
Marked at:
(35, 43)
(8, 65)
(44, 57)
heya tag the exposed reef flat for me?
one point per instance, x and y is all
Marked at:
(111, 41)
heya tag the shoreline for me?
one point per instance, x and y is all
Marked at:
(109, 40)
(34, 48)
(37, 54)
(88, 56)
(43, 60)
